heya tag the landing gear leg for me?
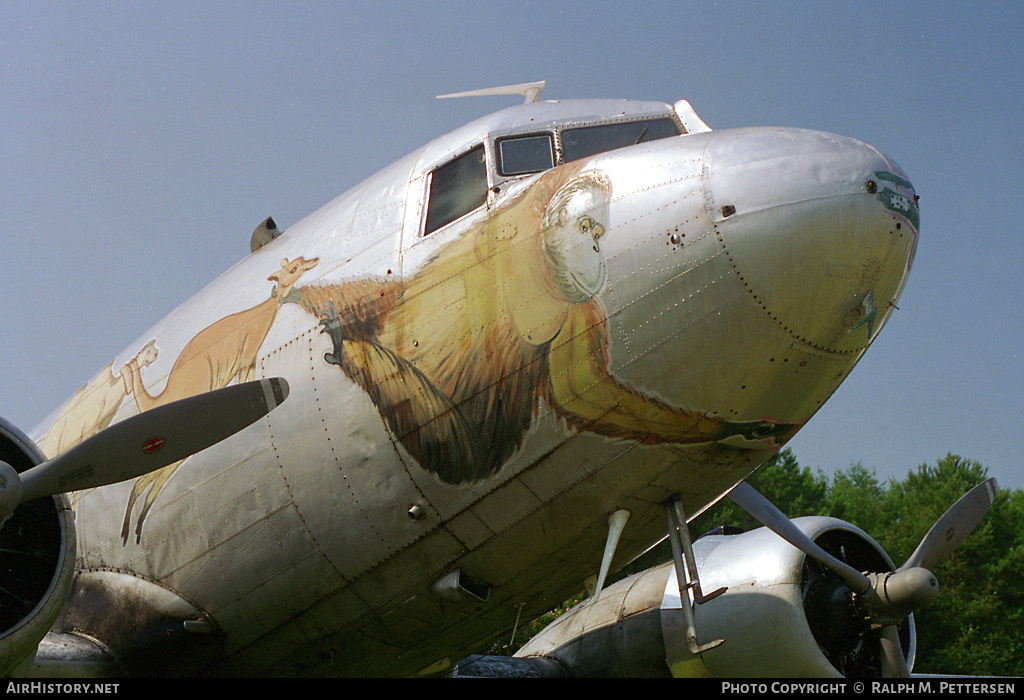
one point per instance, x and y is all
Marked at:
(686, 573)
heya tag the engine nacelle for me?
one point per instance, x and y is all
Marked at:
(782, 614)
(37, 560)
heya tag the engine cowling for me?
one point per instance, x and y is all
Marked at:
(782, 614)
(37, 559)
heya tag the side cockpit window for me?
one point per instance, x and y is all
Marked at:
(586, 141)
(456, 188)
(522, 155)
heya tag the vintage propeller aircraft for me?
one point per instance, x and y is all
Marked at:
(507, 363)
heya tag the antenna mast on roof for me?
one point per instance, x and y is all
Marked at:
(529, 91)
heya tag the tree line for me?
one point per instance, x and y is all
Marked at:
(976, 624)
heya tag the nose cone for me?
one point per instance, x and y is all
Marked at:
(820, 228)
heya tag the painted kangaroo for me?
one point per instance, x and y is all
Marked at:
(221, 352)
(93, 407)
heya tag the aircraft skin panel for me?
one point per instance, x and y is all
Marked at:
(601, 335)
(355, 461)
(521, 580)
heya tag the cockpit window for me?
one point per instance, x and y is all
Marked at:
(589, 140)
(456, 188)
(519, 155)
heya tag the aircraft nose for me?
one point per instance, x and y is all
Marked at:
(820, 228)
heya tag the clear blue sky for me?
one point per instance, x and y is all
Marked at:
(139, 147)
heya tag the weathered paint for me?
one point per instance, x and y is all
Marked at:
(654, 320)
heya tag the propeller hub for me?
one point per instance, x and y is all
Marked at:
(10, 491)
(896, 594)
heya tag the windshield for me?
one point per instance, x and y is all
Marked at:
(589, 140)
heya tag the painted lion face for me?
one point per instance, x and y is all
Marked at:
(574, 222)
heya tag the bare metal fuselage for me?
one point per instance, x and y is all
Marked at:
(738, 277)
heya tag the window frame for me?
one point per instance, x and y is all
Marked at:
(495, 179)
(499, 140)
(429, 188)
(632, 119)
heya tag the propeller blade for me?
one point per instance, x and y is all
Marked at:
(764, 511)
(953, 527)
(893, 663)
(155, 438)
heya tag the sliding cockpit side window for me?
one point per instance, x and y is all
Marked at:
(522, 155)
(456, 188)
(586, 141)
